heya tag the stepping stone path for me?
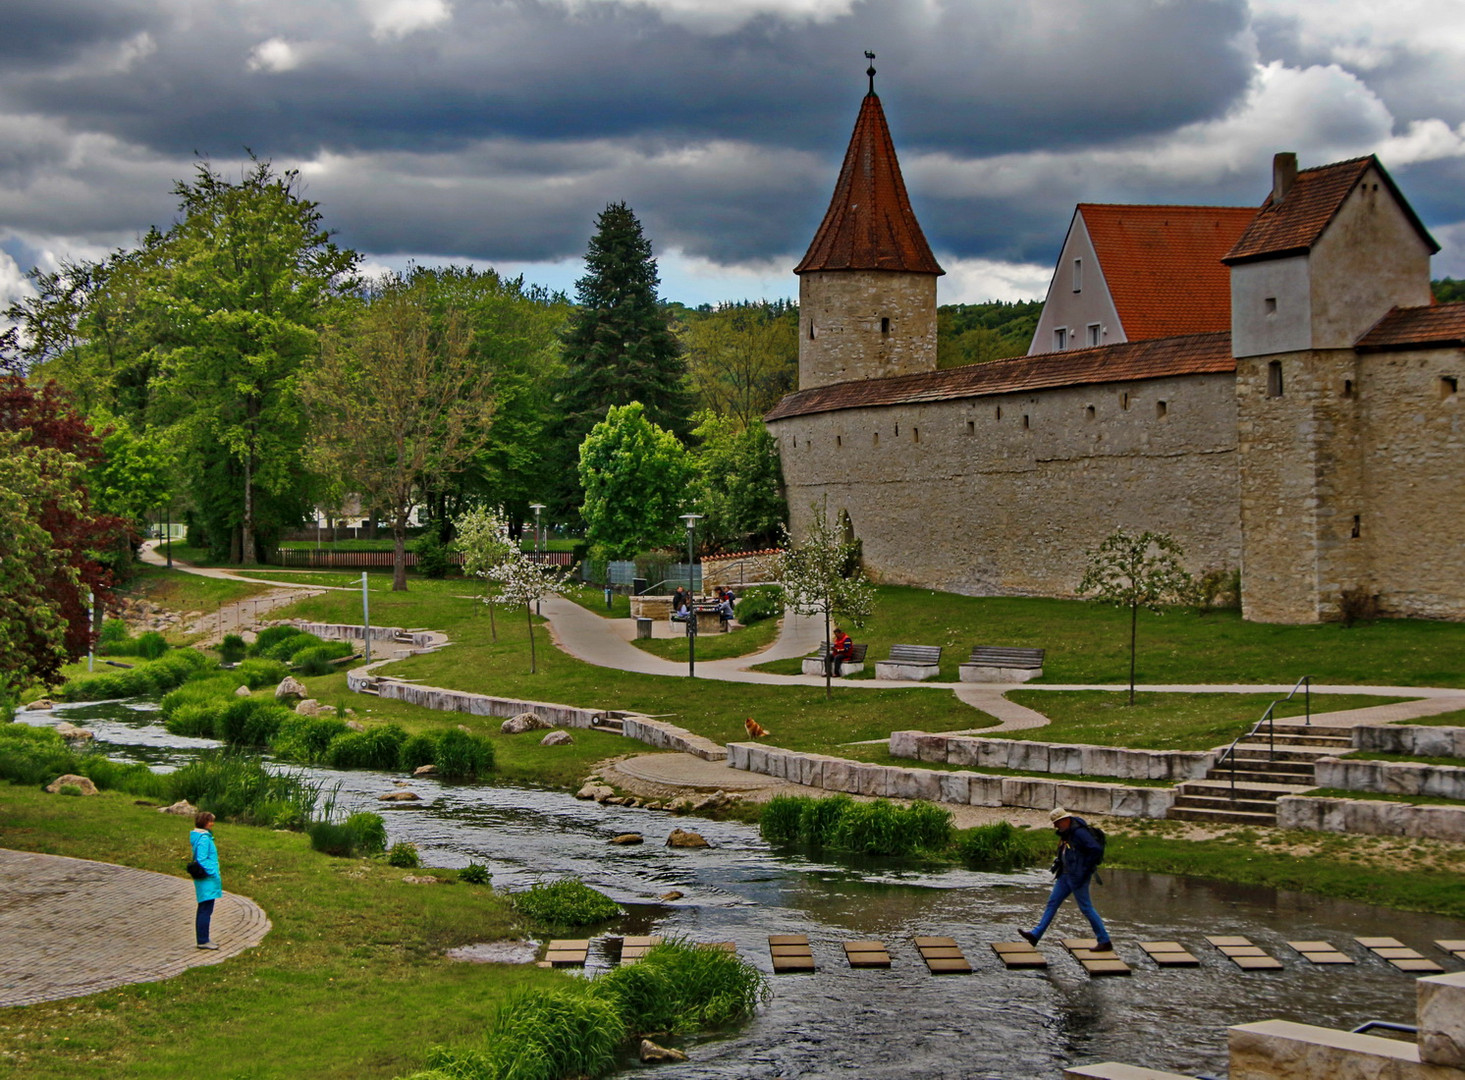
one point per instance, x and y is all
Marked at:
(1321, 952)
(1241, 952)
(1016, 955)
(1454, 946)
(634, 948)
(1169, 954)
(566, 952)
(1398, 954)
(1095, 963)
(942, 956)
(790, 952)
(866, 954)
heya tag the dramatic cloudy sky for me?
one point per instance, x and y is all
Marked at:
(493, 131)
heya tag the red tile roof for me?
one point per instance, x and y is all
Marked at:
(1293, 226)
(1163, 266)
(1438, 325)
(869, 224)
(1195, 354)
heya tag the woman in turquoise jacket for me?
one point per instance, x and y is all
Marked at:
(205, 889)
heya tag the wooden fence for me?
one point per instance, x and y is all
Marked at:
(369, 560)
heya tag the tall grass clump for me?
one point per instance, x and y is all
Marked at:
(873, 828)
(306, 738)
(567, 902)
(1002, 847)
(779, 821)
(271, 636)
(258, 673)
(286, 648)
(362, 833)
(375, 748)
(232, 649)
(459, 754)
(538, 1035)
(251, 722)
(320, 659)
(820, 819)
(156, 676)
(33, 756)
(238, 787)
(680, 987)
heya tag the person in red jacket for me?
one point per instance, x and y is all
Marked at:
(840, 650)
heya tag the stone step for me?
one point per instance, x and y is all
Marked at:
(1301, 739)
(1330, 730)
(1280, 752)
(1251, 789)
(1229, 817)
(1289, 777)
(1219, 802)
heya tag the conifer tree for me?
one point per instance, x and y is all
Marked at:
(619, 346)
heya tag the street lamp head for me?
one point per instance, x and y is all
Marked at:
(536, 507)
(691, 520)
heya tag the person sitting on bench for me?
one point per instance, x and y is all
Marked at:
(840, 650)
(679, 605)
(725, 606)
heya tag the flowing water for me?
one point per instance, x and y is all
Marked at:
(902, 1022)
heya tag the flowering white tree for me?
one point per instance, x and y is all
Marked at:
(483, 538)
(819, 577)
(521, 580)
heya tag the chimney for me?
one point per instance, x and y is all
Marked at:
(1284, 175)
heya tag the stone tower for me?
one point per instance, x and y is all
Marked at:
(867, 286)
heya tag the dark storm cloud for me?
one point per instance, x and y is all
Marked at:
(36, 34)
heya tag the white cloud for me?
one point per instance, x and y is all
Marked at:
(1365, 33)
(972, 281)
(274, 55)
(13, 283)
(398, 18)
(720, 16)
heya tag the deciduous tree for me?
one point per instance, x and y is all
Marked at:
(637, 478)
(742, 357)
(483, 538)
(816, 579)
(742, 484)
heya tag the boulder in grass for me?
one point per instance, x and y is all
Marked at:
(72, 780)
(557, 738)
(183, 808)
(684, 838)
(598, 792)
(72, 733)
(399, 796)
(309, 707)
(525, 721)
(653, 1054)
(290, 687)
(241, 691)
(355, 725)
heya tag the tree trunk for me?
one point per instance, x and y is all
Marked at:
(399, 553)
(493, 629)
(529, 618)
(828, 658)
(246, 540)
(1133, 621)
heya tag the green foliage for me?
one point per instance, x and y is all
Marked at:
(306, 738)
(417, 751)
(286, 648)
(636, 477)
(196, 719)
(114, 632)
(878, 827)
(250, 722)
(404, 855)
(68, 789)
(232, 649)
(741, 484)
(759, 603)
(1448, 290)
(475, 874)
(1002, 847)
(363, 833)
(320, 659)
(271, 636)
(567, 902)
(681, 987)
(257, 673)
(538, 1035)
(742, 357)
(817, 577)
(977, 333)
(151, 645)
(432, 555)
(378, 747)
(459, 755)
(238, 787)
(153, 677)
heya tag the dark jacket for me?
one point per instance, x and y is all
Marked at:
(1078, 851)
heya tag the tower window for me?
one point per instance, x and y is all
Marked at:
(1124, 402)
(876, 440)
(1078, 275)
(999, 412)
(1060, 338)
(971, 427)
(1027, 422)
(1088, 412)
(915, 434)
(1274, 378)
(897, 431)
(885, 325)
(1096, 334)
(1270, 304)
(1357, 526)
(811, 329)
(1348, 388)
(839, 440)
(1160, 410)
(1449, 384)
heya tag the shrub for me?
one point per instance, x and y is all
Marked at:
(882, 828)
(250, 722)
(460, 754)
(151, 645)
(779, 821)
(270, 636)
(360, 834)
(539, 1035)
(417, 751)
(259, 673)
(680, 987)
(305, 738)
(821, 817)
(157, 676)
(35, 756)
(758, 603)
(198, 719)
(232, 649)
(432, 555)
(319, 659)
(286, 648)
(999, 846)
(475, 874)
(375, 748)
(114, 632)
(567, 902)
(404, 855)
(218, 689)
(369, 830)
(238, 787)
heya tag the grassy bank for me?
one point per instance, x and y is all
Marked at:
(351, 982)
(749, 639)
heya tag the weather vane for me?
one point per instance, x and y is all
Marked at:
(870, 71)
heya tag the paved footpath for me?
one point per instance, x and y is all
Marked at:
(70, 927)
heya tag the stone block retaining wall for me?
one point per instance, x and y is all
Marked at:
(1070, 759)
(347, 632)
(664, 736)
(1411, 739)
(1371, 816)
(1392, 777)
(969, 788)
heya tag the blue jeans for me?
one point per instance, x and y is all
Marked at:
(202, 919)
(1063, 887)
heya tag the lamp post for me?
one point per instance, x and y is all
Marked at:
(691, 520)
(536, 507)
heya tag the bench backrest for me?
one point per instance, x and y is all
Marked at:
(915, 654)
(857, 655)
(1000, 656)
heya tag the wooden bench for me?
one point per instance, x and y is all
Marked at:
(996, 663)
(910, 662)
(814, 665)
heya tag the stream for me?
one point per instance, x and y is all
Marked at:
(901, 1022)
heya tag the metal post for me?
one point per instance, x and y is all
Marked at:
(691, 520)
(91, 601)
(365, 617)
(1307, 697)
(536, 507)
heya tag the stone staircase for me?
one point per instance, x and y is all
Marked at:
(1262, 775)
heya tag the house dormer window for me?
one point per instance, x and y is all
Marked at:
(1096, 334)
(1060, 338)
(1078, 275)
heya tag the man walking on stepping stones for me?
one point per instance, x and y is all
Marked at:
(1079, 852)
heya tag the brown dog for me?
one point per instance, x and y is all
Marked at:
(755, 729)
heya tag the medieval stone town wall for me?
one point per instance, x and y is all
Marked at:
(1001, 495)
(865, 324)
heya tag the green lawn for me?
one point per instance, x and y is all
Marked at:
(1088, 642)
(714, 646)
(1162, 721)
(1449, 719)
(351, 982)
(592, 598)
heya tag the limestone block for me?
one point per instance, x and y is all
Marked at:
(1441, 1013)
(874, 780)
(985, 790)
(814, 666)
(737, 756)
(1021, 791)
(1433, 742)
(1282, 1050)
(1084, 798)
(994, 753)
(839, 775)
(756, 757)
(1066, 759)
(1113, 1070)
(1401, 778)
(1378, 738)
(1444, 780)
(1437, 823)
(1157, 801)
(903, 743)
(1376, 818)
(931, 748)
(1457, 738)
(1330, 772)
(984, 673)
(811, 769)
(963, 751)
(890, 669)
(1028, 756)
(1103, 761)
(1333, 816)
(1299, 812)
(916, 784)
(956, 787)
(1128, 802)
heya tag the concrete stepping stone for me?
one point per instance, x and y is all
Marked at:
(1398, 954)
(1321, 952)
(1169, 954)
(567, 952)
(1241, 952)
(790, 952)
(1095, 963)
(943, 956)
(634, 948)
(1454, 946)
(867, 954)
(1018, 955)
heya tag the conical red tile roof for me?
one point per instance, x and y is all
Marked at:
(870, 224)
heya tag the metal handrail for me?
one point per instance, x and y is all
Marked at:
(1305, 683)
(1386, 1025)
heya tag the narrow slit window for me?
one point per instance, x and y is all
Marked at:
(897, 431)
(1124, 402)
(1027, 422)
(1078, 275)
(811, 329)
(971, 427)
(884, 325)
(1274, 378)
(1088, 412)
(915, 434)
(1270, 305)
(839, 440)
(1449, 384)
(1348, 388)
(876, 440)
(999, 412)
(1357, 526)
(1161, 409)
